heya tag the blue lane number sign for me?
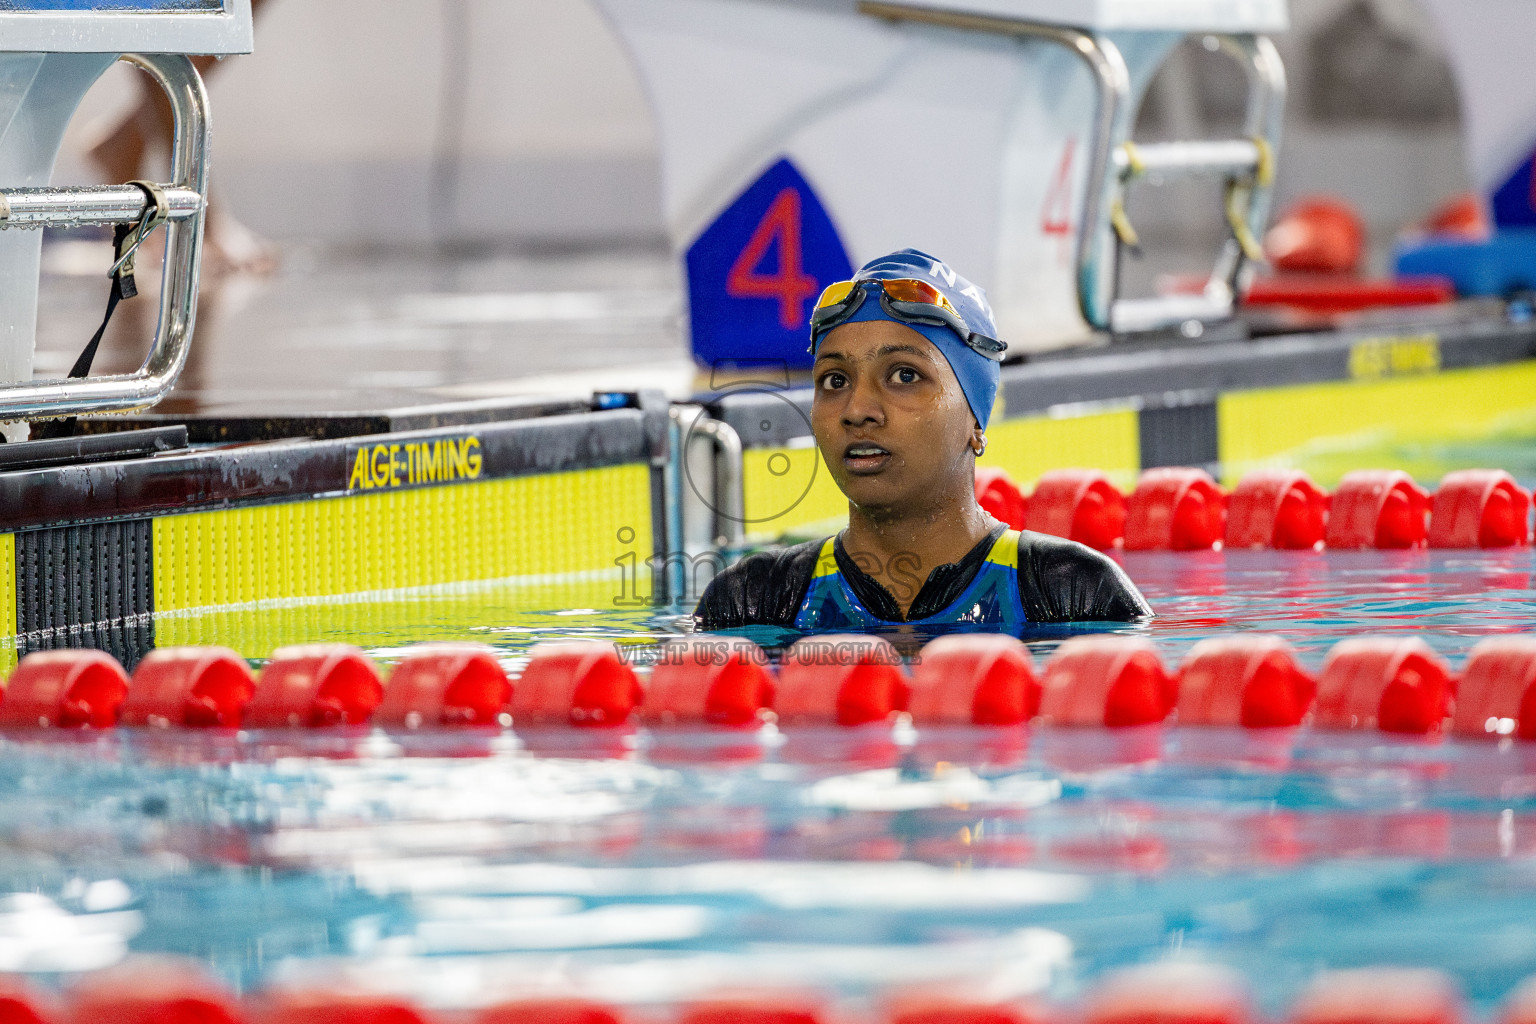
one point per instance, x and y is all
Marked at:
(754, 273)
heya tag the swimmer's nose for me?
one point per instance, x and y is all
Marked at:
(863, 406)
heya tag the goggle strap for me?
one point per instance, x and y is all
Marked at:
(991, 348)
(928, 313)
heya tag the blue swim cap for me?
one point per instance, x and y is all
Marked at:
(978, 375)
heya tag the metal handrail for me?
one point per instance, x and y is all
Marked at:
(69, 207)
(725, 502)
(93, 204)
(1221, 158)
(1109, 162)
(730, 493)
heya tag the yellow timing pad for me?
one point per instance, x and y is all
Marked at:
(255, 577)
(7, 602)
(1389, 423)
(1028, 446)
(394, 620)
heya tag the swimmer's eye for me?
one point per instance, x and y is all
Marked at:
(905, 375)
(832, 381)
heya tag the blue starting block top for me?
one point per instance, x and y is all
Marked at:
(1501, 265)
(119, 26)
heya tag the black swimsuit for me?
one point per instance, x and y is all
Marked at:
(1058, 581)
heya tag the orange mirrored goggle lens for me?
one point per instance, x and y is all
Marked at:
(898, 290)
(834, 294)
(907, 290)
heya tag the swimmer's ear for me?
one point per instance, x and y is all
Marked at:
(978, 440)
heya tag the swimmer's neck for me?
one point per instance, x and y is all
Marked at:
(913, 542)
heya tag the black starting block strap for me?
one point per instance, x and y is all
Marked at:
(126, 239)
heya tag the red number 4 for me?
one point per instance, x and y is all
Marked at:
(1056, 217)
(791, 285)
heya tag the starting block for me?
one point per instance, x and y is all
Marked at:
(783, 173)
(51, 53)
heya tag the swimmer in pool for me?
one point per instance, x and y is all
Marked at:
(906, 371)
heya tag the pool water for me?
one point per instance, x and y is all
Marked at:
(645, 867)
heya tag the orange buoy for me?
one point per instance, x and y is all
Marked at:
(1175, 509)
(1277, 508)
(1079, 504)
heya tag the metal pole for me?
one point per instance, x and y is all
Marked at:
(77, 207)
(1217, 158)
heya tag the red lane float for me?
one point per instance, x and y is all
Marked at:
(192, 686)
(1316, 235)
(1379, 996)
(153, 990)
(1080, 504)
(575, 682)
(1175, 509)
(549, 1011)
(445, 684)
(315, 685)
(1465, 216)
(321, 1007)
(20, 1003)
(1497, 692)
(1479, 508)
(956, 1008)
(1170, 993)
(768, 1008)
(974, 679)
(1396, 685)
(1277, 508)
(1378, 508)
(844, 678)
(1252, 681)
(959, 1010)
(70, 689)
(1001, 498)
(1520, 1008)
(961, 1013)
(718, 680)
(1106, 680)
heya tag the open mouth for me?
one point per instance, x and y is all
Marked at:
(863, 457)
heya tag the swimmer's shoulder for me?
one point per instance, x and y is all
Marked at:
(763, 589)
(1061, 580)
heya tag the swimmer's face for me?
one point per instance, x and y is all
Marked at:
(890, 419)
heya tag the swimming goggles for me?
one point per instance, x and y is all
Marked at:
(906, 300)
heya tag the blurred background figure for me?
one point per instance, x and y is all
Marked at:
(128, 150)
